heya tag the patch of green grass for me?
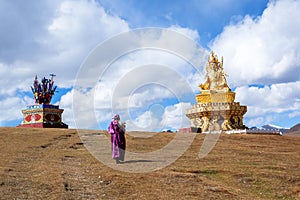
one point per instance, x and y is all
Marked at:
(263, 189)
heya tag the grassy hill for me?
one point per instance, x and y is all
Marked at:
(55, 164)
(295, 130)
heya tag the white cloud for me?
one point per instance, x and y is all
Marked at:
(294, 114)
(66, 104)
(256, 121)
(83, 22)
(48, 37)
(159, 118)
(265, 49)
(157, 70)
(60, 41)
(11, 108)
(278, 103)
(174, 116)
(277, 98)
(193, 34)
(144, 122)
(78, 27)
(23, 23)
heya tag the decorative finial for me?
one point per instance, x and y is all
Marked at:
(43, 91)
(213, 58)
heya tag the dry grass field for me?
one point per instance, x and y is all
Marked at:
(54, 164)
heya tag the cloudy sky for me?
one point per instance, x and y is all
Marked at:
(153, 73)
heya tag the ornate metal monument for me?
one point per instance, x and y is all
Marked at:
(215, 109)
(42, 114)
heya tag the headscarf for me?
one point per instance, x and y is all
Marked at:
(116, 117)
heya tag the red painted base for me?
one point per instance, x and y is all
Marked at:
(44, 125)
(185, 130)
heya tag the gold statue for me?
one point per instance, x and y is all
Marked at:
(226, 125)
(215, 109)
(215, 75)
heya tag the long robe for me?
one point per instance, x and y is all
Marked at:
(118, 142)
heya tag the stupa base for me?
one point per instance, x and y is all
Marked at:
(43, 125)
(42, 116)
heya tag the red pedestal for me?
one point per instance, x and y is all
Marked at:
(42, 116)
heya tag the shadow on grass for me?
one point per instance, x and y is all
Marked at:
(138, 161)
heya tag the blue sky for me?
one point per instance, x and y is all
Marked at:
(258, 39)
(208, 18)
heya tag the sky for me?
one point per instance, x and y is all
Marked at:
(150, 87)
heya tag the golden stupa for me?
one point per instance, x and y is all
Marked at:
(215, 109)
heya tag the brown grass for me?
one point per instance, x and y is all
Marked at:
(54, 164)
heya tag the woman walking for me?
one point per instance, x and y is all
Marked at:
(118, 143)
